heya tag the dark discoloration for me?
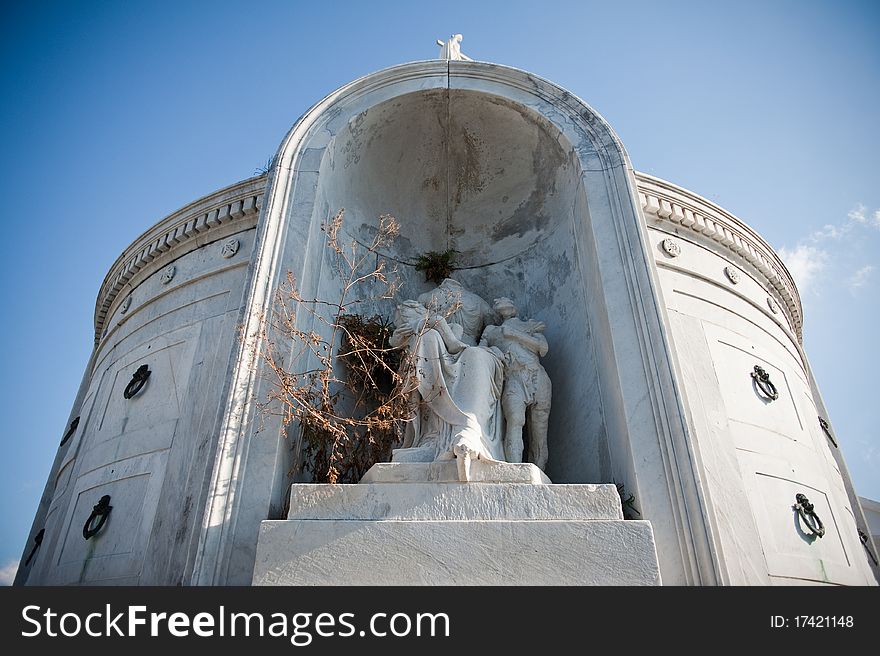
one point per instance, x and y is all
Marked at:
(469, 179)
(548, 161)
(559, 269)
(554, 277)
(353, 148)
(183, 525)
(433, 182)
(379, 123)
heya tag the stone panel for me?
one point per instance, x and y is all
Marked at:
(116, 554)
(789, 548)
(758, 453)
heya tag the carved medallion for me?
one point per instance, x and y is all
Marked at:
(671, 247)
(732, 274)
(168, 274)
(230, 248)
(773, 305)
(125, 305)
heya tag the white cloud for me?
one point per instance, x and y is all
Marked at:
(860, 277)
(7, 572)
(833, 242)
(831, 232)
(857, 214)
(804, 262)
(870, 454)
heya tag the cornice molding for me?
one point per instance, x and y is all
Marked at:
(176, 233)
(667, 202)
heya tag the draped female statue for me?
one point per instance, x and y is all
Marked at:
(456, 385)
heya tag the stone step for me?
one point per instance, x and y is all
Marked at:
(308, 552)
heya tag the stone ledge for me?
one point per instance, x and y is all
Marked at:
(454, 501)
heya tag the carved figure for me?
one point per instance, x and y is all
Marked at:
(527, 388)
(451, 49)
(451, 300)
(456, 388)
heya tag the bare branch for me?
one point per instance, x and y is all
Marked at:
(351, 395)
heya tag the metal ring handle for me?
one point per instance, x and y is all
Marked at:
(137, 382)
(762, 380)
(863, 537)
(38, 540)
(70, 431)
(808, 515)
(827, 428)
(100, 512)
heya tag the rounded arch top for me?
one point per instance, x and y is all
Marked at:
(597, 145)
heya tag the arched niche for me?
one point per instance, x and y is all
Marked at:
(502, 186)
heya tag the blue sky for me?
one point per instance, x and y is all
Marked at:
(115, 114)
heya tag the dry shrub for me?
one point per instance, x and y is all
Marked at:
(342, 384)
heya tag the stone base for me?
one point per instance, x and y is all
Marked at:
(446, 471)
(455, 534)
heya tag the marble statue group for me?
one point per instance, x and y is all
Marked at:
(475, 384)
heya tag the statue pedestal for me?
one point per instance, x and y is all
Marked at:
(452, 533)
(446, 471)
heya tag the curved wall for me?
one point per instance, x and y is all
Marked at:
(732, 306)
(170, 302)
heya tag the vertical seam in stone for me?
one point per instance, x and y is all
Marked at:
(448, 154)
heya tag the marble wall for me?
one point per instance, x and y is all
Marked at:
(757, 453)
(177, 315)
